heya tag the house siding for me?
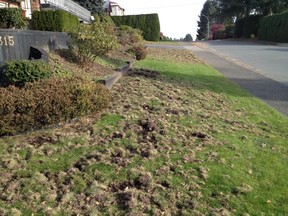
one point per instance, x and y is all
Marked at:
(4, 3)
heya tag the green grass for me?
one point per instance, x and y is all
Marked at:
(116, 165)
(109, 62)
(262, 152)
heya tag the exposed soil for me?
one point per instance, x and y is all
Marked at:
(62, 60)
(174, 55)
(146, 162)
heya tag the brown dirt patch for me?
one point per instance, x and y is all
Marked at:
(59, 60)
(174, 55)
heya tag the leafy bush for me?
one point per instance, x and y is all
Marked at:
(49, 102)
(91, 41)
(148, 23)
(218, 31)
(11, 18)
(58, 20)
(129, 36)
(19, 72)
(103, 19)
(229, 31)
(274, 28)
(139, 51)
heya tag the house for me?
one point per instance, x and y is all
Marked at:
(24, 5)
(9, 3)
(116, 10)
(28, 6)
(113, 8)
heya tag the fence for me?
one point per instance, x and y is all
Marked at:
(69, 6)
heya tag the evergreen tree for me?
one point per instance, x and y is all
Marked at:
(268, 7)
(244, 8)
(188, 37)
(95, 6)
(207, 13)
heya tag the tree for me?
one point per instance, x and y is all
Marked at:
(268, 7)
(207, 13)
(227, 11)
(188, 37)
(244, 8)
(95, 6)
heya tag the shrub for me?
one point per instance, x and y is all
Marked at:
(91, 41)
(229, 31)
(129, 36)
(218, 31)
(103, 19)
(11, 18)
(247, 26)
(47, 102)
(19, 72)
(149, 24)
(139, 51)
(58, 20)
(274, 28)
(252, 25)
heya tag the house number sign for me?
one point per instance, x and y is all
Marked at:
(7, 40)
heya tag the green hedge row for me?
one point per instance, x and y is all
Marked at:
(49, 102)
(148, 23)
(11, 18)
(57, 21)
(274, 28)
(247, 26)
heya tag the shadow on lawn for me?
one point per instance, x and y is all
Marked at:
(273, 93)
(264, 88)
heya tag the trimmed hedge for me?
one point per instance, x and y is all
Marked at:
(247, 26)
(19, 72)
(49, 102)
(148, 23)
(274, 28)
(57, 21)
(11, 18)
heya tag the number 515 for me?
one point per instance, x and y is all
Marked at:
(7, 40)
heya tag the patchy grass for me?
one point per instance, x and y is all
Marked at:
(178, 139)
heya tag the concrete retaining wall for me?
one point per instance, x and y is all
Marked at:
(16, 44)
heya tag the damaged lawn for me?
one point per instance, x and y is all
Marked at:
(178, 139)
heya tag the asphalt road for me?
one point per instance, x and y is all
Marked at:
(266, 59)
(262, 69)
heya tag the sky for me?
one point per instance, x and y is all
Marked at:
(177, 17)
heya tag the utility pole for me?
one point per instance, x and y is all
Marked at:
(208, 26)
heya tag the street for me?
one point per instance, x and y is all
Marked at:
(268, 60)
(262, 69)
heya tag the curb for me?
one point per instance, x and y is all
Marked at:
(110, 81)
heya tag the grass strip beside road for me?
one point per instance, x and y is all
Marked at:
(178, 139)
(247, 159)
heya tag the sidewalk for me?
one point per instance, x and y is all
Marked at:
(271, 92)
